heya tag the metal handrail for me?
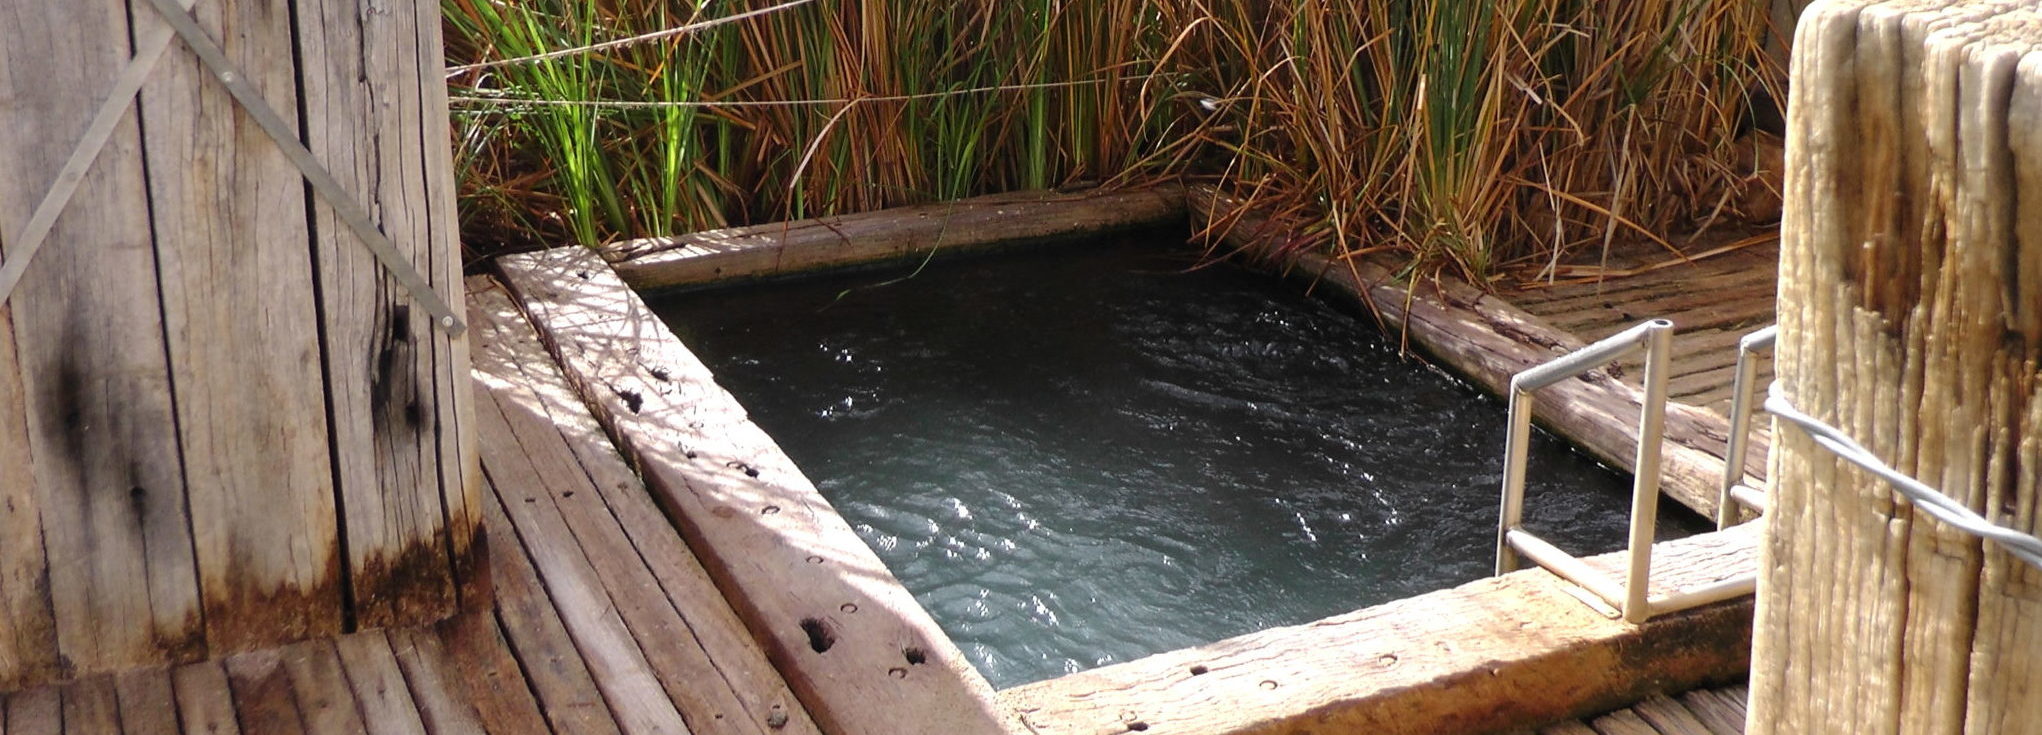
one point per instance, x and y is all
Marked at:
(1732, 490)
(1632, 598)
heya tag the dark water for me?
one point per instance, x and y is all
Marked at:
(1088, 456)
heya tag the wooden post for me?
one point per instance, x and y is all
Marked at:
(1911, 319)
(222, 426)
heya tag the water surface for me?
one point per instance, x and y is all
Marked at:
(1089, 455)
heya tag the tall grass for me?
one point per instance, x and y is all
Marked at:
(1463, 134)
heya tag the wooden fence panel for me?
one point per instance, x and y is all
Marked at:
(108, 483)
(221, 426)
(230, 229)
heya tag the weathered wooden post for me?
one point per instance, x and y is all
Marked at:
(1911, 319)
(225, 422)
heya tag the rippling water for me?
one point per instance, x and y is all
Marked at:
(1086, 456)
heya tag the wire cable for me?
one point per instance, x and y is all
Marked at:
(1937, 505)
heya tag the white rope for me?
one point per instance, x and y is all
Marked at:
(606, 45)
(646, 105)
(1937, 505)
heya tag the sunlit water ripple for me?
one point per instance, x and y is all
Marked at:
(1088, 456)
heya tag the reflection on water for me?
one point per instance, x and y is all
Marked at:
(1082, 457)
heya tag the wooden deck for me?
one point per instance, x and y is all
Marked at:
(606, 621)
(1713, 711)
(1713, 301)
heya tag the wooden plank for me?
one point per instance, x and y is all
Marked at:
(460, 482)
(1909, 321)
(320, 686)
(1488, 655)
(790, 575)
(1488, 340)
(148, 702)
(587, 610)
(1669, 716)
(1567, 728)
(560, 679)
(378, 684)
(384, 386)
(205, 700)
(93, 373)
(37, 711)
(228, 212)
(28, 633)
(442, 707)
(1722, 710)
(977, 223)
(263, 701)
(1622, 722)
(708, 664)
(469, 653)
(90, 707)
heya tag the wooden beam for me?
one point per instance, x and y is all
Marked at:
(228, 212)
(1491, 655)
(859, 651)
(108, 485)
(1911, 320)
(389, 394)
(1488, 340)
(903, 233)
(699, 650)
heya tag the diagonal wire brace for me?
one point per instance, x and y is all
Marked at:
(350, 212)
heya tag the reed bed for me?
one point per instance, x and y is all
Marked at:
(1462, 135)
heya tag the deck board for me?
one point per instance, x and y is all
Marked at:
(604, 620)
(1712, 302)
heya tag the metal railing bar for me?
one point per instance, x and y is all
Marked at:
(1516, 448)
(1697, 596)
(1749, 496)
(1587, 358)
(1741, 407)
(1658, 341)
(1566, 565)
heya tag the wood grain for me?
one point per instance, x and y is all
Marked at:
(37, 711)
(1908, 319)
(384, 383)
(205, 700)
(546, 654)
(570, 582)
(481, 669)
(443, 705)
(109, 485)
(1483, 657)
(228, 212)
(90, 706)
(378, 685)
(705, 660)
(789, 564)
(148, 702)
(941, 229)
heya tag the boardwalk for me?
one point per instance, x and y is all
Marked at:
(604, 620)
(1715, 711)
(1712, 301)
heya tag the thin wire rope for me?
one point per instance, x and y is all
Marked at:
(1939, 506)
(649, 105)
(621, 42)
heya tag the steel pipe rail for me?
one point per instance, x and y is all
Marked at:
(1633, 597)
(1733, 492)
